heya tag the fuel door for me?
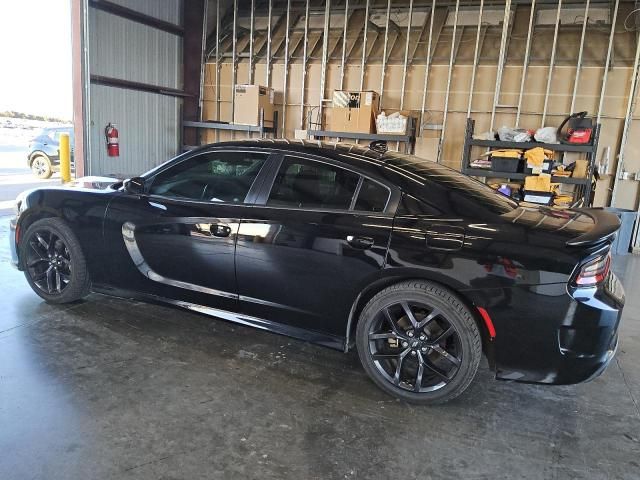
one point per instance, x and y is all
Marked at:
(444, 237)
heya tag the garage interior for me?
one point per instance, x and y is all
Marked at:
(111, 388)
(524, 64)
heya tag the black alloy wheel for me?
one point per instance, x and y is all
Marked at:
(414, 346)
(419, 342)
(48, 262)
(53, 262)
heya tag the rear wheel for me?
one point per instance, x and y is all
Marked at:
(41, 166)
(53, 262)
(419, 342)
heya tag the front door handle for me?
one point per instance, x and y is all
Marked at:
(220, 230)
(360, 242)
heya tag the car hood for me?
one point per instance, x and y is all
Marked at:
(578, 227)
(93, 182)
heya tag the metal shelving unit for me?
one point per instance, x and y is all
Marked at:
(409, 138)
(262, 128)
(583, 187)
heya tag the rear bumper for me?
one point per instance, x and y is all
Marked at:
(552, 334)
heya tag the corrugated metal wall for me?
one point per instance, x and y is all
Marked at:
(148, 123)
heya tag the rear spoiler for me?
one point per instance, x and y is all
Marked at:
(605, 225)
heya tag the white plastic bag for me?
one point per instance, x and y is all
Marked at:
(546, 135)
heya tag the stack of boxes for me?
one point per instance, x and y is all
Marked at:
(354, 112)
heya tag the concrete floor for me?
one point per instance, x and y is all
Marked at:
(109, 388)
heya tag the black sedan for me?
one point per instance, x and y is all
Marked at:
(419, 267)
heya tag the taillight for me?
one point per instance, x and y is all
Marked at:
(594, 272)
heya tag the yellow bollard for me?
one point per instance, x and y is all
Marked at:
(65, 158)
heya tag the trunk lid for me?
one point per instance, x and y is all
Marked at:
(578, 227)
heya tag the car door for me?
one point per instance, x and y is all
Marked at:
(319, 235)
(177, 241)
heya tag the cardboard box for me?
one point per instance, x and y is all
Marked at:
(538, 183)
(249, 99)
(581, 168)
(354, 112)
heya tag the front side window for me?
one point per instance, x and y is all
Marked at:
(304, 183)
(213, 176)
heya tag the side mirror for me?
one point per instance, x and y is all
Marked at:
(135, 186)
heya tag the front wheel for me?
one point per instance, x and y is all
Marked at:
(419, 342)
(41, 167)
(53, 262)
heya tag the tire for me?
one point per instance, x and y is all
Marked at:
(53, 262)
(419, 342)
(41, 167)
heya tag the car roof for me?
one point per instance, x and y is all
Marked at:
(56, 129)
(402, 167)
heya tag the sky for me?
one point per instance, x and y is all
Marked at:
(35, 57)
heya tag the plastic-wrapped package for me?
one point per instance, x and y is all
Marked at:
(507, 134)
(546, 135)
(393, 123)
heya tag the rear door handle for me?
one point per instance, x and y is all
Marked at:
(360, 242)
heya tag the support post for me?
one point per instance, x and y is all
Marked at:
(325, 53)
(406, 55)
(234, 64)
(193, 59)
(525, 64)
(344, 42)
(305, 43)
(475, 59)
(427, 67)
(384, 52)
(251, 29)
(608, 60)
(580, 51)
(80, 81)
(628, 118)
(363, 62)
(551, 63)
(501, 60)
(446, 96)
(268, 68)
(286, 70)
(65, 158)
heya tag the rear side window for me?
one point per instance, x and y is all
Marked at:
(372, 197)
(304, 183)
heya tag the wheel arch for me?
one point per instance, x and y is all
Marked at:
(383, 282)
(38, 153)
(28, 218)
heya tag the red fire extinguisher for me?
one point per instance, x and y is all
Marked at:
(113, 143)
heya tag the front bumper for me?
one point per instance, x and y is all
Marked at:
(554, 334)
(13, 247)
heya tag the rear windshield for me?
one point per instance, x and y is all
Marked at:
(467, 189)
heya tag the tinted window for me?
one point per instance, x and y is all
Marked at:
(451, 188)
(215, 176)
(308, 184)
(372, 197)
